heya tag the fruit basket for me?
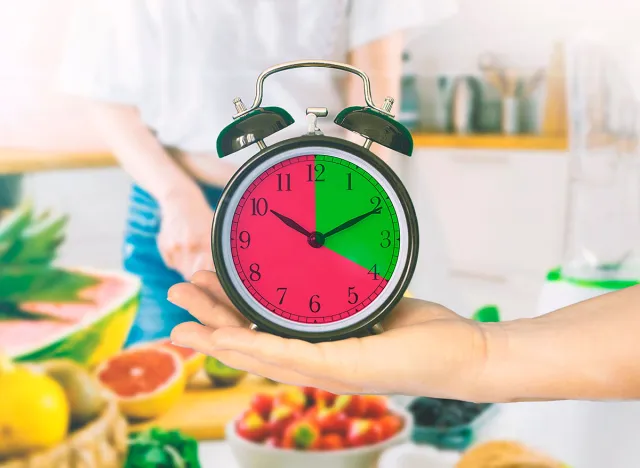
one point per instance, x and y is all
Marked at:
(101, 443)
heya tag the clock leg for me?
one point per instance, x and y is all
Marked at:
(377, 329)
(253, 327)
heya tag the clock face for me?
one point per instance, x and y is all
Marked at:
(315, 238)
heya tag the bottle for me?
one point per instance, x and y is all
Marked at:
(409, 102)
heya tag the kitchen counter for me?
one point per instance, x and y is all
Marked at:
(17, 160)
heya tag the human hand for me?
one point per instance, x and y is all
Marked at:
(184, 240)
(426, 349)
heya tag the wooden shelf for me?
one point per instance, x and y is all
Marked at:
(498, 142)
(15, 160)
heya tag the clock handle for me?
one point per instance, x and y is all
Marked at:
(313, 64)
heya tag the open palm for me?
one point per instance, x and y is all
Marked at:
(426, 349)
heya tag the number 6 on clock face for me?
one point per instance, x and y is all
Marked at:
(315, 238)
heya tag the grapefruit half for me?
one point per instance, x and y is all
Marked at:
(193, 360)
(146, 380)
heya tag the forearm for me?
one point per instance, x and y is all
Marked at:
(139, 152)
(381, 60)
(587, 351)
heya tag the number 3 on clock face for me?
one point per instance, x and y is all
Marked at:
(315, 242)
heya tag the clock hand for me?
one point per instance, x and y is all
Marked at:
(291, 223)
(351, 222)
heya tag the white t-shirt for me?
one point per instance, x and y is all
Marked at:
(181, 62)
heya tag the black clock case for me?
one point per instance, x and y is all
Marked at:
(358, 329)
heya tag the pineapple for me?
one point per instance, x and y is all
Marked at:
(28, 246)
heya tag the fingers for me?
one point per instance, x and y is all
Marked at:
(340, 361)
(208, 281)
(208, 309)
(198, 337)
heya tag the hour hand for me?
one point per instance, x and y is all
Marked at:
(291, 223)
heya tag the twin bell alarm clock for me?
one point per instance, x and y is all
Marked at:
(315, 237)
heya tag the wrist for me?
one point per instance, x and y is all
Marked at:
(178, 190)
(508, 370)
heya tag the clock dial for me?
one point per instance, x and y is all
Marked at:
(315, 239)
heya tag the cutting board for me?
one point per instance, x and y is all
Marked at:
(203, 411)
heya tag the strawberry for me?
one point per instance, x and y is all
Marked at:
(302, 435)
(331, 442)
(363, 432)
(280, 417)
(332, 420)
(252, 427)
(273, 441)
(352, 405)
(374, 406)
(390, 425)
(262, 404)
(327, 398)
(293, 397)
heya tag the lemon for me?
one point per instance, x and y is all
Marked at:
(34, 412)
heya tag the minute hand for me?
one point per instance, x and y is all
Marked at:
(351, 222)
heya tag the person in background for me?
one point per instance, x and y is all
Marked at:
(160, 77)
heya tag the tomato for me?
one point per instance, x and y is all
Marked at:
(332, 420)
(252, 427)
(280, 417)
(302, 435)
(352, 405)
(331, 442)
(363, 432)
(390, 425)
(262, 404)
(293, 397)
(310, 393)
(374, 406)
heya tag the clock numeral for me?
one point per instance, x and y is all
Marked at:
(314, 305)
(245, 238)
(259, 207)
(376, 201)
(284, 292)
(319, 171)
(386, 239)
(349, 187)
(353, 296)
(374, 272)
(255, 274)
(287, 182)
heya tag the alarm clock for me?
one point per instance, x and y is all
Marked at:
(315, 237)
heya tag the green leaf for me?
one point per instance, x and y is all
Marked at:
(10, 311)
(180, 449)
(42, 284)
(11, 226)
(37, 243)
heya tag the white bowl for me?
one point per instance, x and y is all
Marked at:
(253, 455)
(411, 455)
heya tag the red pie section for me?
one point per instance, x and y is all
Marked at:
(276, 263)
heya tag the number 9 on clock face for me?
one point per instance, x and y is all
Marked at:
(315, 241)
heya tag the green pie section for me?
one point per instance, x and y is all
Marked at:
(344, 191)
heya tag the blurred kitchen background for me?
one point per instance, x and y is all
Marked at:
(525, 119)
